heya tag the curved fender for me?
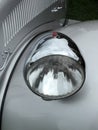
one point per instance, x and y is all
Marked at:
(23, 110)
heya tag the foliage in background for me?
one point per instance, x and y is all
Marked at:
(82, 9)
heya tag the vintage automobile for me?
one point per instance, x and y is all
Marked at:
(48, 67)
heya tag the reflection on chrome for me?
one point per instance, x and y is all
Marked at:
(54, 46)
(56, 68)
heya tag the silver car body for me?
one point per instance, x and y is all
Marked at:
(23, 110)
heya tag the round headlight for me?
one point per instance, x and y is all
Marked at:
(55, 69)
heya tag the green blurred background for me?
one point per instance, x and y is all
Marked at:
(82, 9)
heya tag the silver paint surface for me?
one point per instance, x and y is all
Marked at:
(26, 111)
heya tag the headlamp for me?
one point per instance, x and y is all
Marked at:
(55, 69)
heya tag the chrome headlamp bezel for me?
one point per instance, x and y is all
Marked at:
(73, 59)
